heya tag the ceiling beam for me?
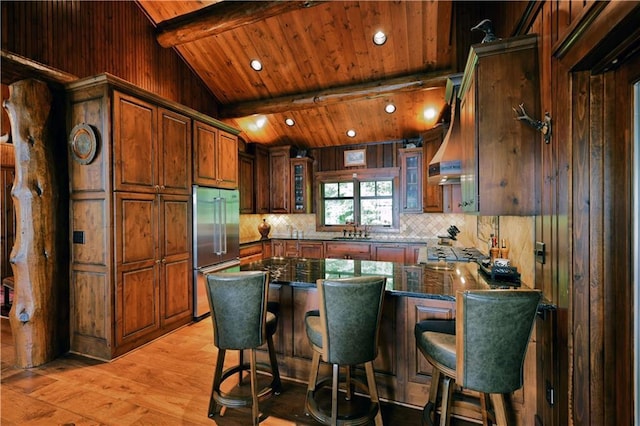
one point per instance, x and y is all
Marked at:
(370, 90)
(221, 17)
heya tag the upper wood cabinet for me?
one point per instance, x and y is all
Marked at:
(261, 179)
(499, 153)
(215, 157)
(149, 157)
(431, 194)
(279, 186)
(301, 185)
(411, 180)
(246, 183)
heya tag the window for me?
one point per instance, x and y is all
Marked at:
(364, 198)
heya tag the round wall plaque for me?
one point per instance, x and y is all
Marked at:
(83, 143)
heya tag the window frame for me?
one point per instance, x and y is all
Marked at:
(387, 173)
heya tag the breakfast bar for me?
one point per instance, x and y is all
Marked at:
(414, 292)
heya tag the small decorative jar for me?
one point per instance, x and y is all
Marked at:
(264, 228)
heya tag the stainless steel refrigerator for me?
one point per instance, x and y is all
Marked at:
(216, 239)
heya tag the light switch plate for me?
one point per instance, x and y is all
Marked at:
(540, 252)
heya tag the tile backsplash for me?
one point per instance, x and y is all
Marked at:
(517, 231)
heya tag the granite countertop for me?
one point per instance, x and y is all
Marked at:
(437, 280)
(373, 239)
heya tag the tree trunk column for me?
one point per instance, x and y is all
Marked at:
(35, 194)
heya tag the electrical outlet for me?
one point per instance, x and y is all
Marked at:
(78, 237)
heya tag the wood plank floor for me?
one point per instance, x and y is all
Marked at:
(167, 382)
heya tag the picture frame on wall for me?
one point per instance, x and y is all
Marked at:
(355, 157)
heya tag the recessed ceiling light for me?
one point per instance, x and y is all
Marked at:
(261, 121)
(390, 108)
(289, 122)
(429, 113)
(379, 38)
(351, 133)
(256, 65)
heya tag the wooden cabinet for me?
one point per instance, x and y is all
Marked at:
(130, 218)
(279, 187)
(261, 180)
(251, 252)
(499, 153)
(419, 371)
(298, 248)
(301, 185)
(149, 157)
(432, 194)
(341, 250)
(395, 252)
(411, 180)
(215, 157)
(246, 183)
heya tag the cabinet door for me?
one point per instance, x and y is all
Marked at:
(205, 138)
(245, 183)
(311, 250)
(468, 180)
(419, 369)
(135, 162)
(336, 250)
(174, 139)
(432, 194)
(411, 180)
(301, 185)
(176, 290)
(389, 252)
(278, 248)
(227, 160)
(279, 182)
(137, 312)
(262, 180)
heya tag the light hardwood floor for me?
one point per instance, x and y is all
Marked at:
(167, 382)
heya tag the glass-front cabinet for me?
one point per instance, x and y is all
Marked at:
(411, 180)
(301, 176)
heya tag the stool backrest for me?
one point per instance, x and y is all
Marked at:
(350, 313)
(493, 328)
(238, 302)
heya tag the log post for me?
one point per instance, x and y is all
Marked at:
(33, 316)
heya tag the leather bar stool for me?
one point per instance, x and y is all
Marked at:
(241, 321)
(486, 354)
(344, 332)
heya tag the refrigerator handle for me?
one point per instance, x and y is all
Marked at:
(223, 236)
(217, 232)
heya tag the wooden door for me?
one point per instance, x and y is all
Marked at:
(245, 183)
(431, 194)
(411, 180)
(262, 180)
(389, 252)
(176, 290)
(174, 150)
(205, 138)
(227, 160)
(135, 162)
(137, 312)
(279, 182)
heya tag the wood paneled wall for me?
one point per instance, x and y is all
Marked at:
(378, 155)
(586, 208)
(86, 38)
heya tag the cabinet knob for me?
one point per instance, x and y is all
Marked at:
(157, 261)
(164, 261)
(162, 187)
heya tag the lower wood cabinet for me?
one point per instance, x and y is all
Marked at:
(341, 250)
(298, 248)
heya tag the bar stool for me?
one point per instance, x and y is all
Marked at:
(487, 352)
(344, 331)
(238, 302)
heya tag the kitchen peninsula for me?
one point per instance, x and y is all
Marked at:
(415, 292)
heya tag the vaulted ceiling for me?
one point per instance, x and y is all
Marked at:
(320, 65)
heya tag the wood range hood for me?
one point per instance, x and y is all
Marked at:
(445, 167)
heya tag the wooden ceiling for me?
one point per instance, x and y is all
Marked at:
(320, 66)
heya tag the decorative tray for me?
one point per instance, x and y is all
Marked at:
(501, 273)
